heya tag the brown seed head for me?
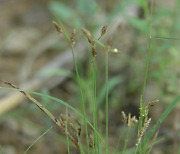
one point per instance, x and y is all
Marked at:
(103, 31)
(57, 27)
(88, 36)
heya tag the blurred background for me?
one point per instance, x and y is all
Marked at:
(34, 57)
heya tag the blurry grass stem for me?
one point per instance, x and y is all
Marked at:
(107, 98)
(142, 104)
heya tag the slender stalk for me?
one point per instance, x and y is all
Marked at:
(94, 102)
(149, 52)
(118, 144)
(149, 16)
(107, 99)
(66, 129)
(126, 140)
(82, 97)
(95, 105)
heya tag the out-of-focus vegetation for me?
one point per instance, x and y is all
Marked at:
(145, 69)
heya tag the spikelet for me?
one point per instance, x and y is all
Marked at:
(103, 31)
(88, 36)
(152, 103)
(142, 131)
(57, 27)
(124, 117)
(130, 121)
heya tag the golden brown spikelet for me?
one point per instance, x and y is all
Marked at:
(103, 31)
(57, 27)
(88, 36)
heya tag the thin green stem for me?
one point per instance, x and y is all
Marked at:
(149, 52)
(118, 144)
(66, 129)
(94, 102)
(82, 97)
(126, 140)
(107, 99)
(95, 119)
(142, 105)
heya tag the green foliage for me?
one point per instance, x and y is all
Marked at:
(162, 56)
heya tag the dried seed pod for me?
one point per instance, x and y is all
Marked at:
(103, 31)
(57, 27)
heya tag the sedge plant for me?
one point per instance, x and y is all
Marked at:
(144, 140)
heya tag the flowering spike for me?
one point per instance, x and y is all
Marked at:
(57, 27)
(103, 31)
